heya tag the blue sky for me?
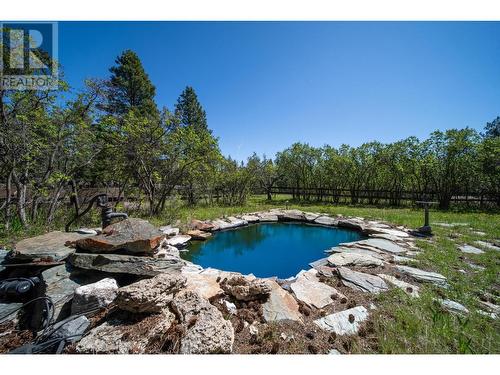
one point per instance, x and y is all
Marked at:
(266, 85)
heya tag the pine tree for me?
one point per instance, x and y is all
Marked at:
(130, 87)
(189, 112)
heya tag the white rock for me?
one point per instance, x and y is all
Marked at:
(179, 241)
(334, 352)
(308, 289)
(250, 218)
(94, 296)
(230, 307)
(353, 259)
(377, 243)
(339, 322)
(310, 216)
(169, 231)
(470, 249)
(409, 289)
(267, 217)
(488, 245)
(254, 331)
(453, 306)
(424, 276)
(326, 220)
(362, 281)
(280, 305)
(86, 231)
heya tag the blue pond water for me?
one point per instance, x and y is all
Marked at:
(268, 249)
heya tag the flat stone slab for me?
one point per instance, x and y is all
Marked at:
(128, 264)
(199, 235)
(222, 224)
(378, 243)
(326, 220)
(354, 259)
(205, 284)
(169, 231)
(9, 311)
(453, 306)
(362, 281)
(488, 245)
(292, 215)
(374, 253)
(250, 218)
(266, 216)
(180, 241)
(345, 322)
(408, 288)
(392, 232)
(310, 216)
(470, 249)
(319, 263)
(50, 246)
(131, 235)
(308, 289)
(423, 276)
(280, 305)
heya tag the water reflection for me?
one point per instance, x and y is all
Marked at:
(269, 249)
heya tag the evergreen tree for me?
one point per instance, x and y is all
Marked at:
(493, 128)
(130, 87)
(189, 112)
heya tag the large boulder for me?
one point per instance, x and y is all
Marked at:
(244, 289)
(94, 296)
(150, 295)
(206, 330)
(130, 235)
(122, 336)
(114, 263)
(51, 247)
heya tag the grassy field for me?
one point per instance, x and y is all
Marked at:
(402, 324)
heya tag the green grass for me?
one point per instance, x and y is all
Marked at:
(401, 324)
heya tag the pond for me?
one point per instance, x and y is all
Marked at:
(268, 249)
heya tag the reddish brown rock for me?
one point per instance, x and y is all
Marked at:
(202, 225)
(199, 235)
(131, 235)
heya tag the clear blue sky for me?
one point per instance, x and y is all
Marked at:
(267, 85)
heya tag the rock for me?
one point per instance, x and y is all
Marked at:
(94, 296)
(309, 216)
(210, 333)
(388, 237)
(267, 217)
(230, 307)
(479, 233)
(362, 281)
(49, 247)
(72, 330)
(231, 223)
(204, 284)
(334, 352)
(244, 289)
(491, 307)
(409, 289)
(476, 267)
(374, 253)
(280, 305)
(254, 331)
(326, 271)
(114, 263)
(319, 262)
(88, 231)
(488, 245)
(453, 306)
(393, 232)
(293, 215)
(353, 259)
(150, 295)
(165, 250)
(377, 243)
(120, 336)
(339, 322)
(423, 276)
(308, 289)
(199, 235)
(351, 224)
(235, 222)
(398, 259)
(326, 220)
(205, 226)
(180, 241)
(60, 288)
(250, 218)
(169, 231)
(470, 249)
(131, 235)
(449, 225)
(9, 311)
